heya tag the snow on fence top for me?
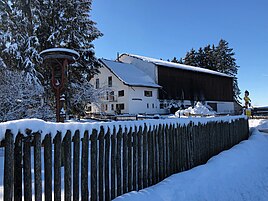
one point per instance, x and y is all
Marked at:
(43, 127)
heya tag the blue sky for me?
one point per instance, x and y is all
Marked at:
(164, 29)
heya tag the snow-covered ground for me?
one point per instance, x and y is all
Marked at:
(238, 174)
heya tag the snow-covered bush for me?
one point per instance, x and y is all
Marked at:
(20, 98)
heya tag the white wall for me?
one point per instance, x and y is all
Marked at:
(117, 85)
(146, 105)
(134, 100)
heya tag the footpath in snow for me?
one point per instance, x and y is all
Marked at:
(238, 174)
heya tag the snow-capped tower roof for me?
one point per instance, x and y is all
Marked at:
(60, 53)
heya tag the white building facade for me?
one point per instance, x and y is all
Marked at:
(129, 90)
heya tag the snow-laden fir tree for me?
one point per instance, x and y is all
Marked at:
(18, 42)
(29, 26)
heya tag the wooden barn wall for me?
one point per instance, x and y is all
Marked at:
(195, 85)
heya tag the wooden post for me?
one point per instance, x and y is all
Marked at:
(125, 162)
(130, 160)
(118, 162)
(156, 155)
(145, 157)
(84, 167)
(8, 166)
(18, 168)
(57, 166)
(107, 169)
(37, 167)
(135, 143)
(27, 176)
(48, 167)
(93, 169)
(161, 152)
(101, 163)
(76, 166)
(67, 166)
(140, 158)
(113, 164)
(150, 157)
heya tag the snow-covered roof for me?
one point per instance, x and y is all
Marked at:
(129, 74)
(175, 65)
(75, 55)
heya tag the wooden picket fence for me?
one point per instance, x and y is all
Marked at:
(118, 161)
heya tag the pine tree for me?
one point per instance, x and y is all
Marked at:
(29, 26)
(175, 60)
(190, 58)
(226, 63)
(18, 43)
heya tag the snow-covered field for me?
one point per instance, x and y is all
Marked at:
(238, 174)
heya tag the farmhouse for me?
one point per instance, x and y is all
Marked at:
(141, 84)
(129, 89)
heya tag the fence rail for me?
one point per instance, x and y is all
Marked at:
(106, 163)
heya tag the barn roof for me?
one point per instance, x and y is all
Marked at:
(129, 74)
(159, 62)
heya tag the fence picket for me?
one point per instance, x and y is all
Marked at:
(18, 168)
(125, 162)
(145, 157)
(76, 166)
(113, 164)
(101, 163)
(140, 158)
(107, 166)
(93, 169)
(119, 162)
(67, 166)
(8, 166)
(27, 176)
(134, 145)
(84, 167)
(48, 167)
(150, 156)
(57, 166)
(130, 159)
(161, 152)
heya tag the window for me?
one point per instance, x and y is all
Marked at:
(148, 93)
(120, 106)
(152, 105)
(106, 107)
(161, 105)
(112, 107)
(107, 95)
(147, 105)
(97, 83)
(110, 81)
(111, 97)
(121, 93)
